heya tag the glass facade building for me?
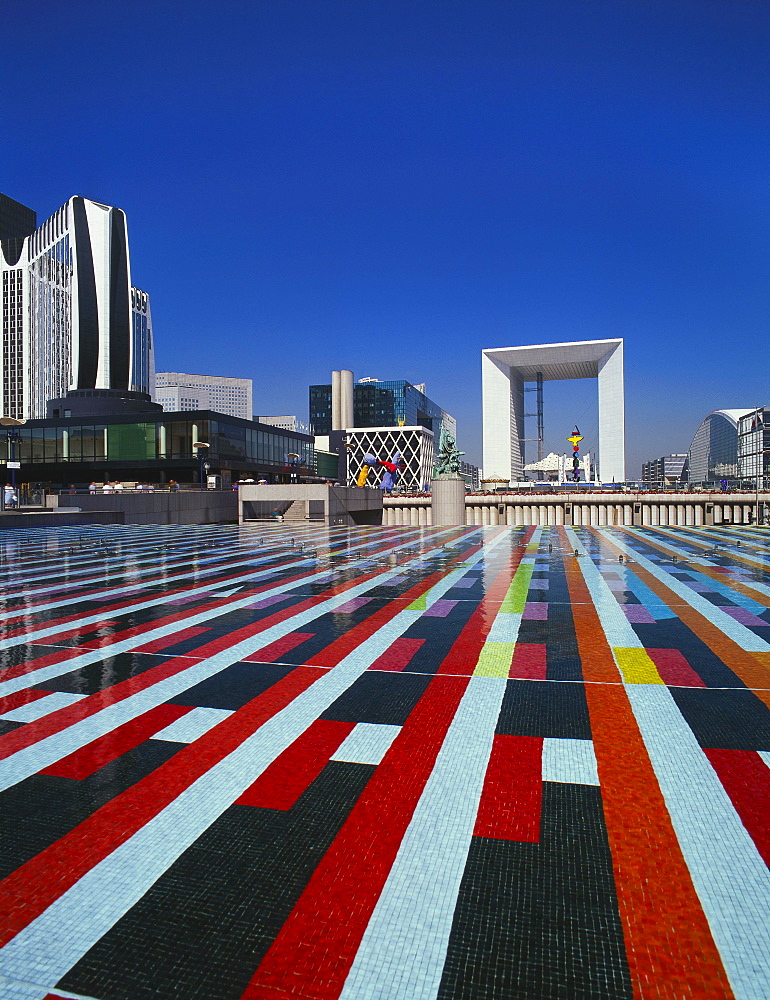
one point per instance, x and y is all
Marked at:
(713, 454)
(71, 318)
(754, 445)
(158, 446)
(382, 404)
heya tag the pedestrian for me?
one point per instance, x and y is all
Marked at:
(118, 486)
(92, 488)
(173, 485)
(72, 488)
(10, 497)
(107, 488)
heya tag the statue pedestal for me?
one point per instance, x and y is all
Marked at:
(448, 501)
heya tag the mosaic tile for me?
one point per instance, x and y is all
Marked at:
(430, 763)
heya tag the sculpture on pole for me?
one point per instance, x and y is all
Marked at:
(575, 440)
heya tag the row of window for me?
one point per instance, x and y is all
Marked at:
(167, 440)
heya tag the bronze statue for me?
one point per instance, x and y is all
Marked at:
(448, 461)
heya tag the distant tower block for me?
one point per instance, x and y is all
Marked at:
(504, 370)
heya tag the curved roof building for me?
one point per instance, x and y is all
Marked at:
(713, 454)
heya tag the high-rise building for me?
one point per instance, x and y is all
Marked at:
(713, 454)
(16, 220)
(668, 470)
(380, 418)
(754, 445)
(180, 391)
(377, 404)
(67, 310)
(142, 347)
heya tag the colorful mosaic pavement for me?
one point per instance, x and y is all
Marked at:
(429, 764)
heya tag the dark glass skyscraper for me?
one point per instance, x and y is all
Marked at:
(381, 404)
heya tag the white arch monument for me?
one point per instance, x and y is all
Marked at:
(504, 370)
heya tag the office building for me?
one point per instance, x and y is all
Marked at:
(374, 403)
(181, 391)
(92, 437)
(504, 372)
(668, 470)
(713, 454)
(142, 349)
(754, 446)
(286, 423)
(68, 320)
(380, 418)
(16, 220)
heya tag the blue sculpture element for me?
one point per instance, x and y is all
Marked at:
(390, 472)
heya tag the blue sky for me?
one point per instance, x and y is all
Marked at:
(393, 186)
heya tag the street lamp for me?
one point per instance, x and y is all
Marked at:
(13, 438)
(201, 449)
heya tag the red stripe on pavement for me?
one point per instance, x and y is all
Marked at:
(315, 948)
(464, 653)
(297, 767)
(33, 732)
(92, 756)
(19, 698)
(26, 893)
(274, 650)
(398, 655)
(746, 779)
(529, 662)
(513, 790)
(674, 668)
(353, 637)
(171, 640)
(38, 662)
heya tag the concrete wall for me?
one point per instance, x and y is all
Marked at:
(183, 507)
(303, 502)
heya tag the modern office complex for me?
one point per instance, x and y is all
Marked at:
(376, 403)
(504, 372)
(414, 447)
(181, 391)
(154, 446)
(754, 446)
(69, 321)
(713, 454)
(379, 418)
(142, 349)
(668, 470)
(16, 220)
(286, 422)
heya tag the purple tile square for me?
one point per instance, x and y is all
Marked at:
(464, 582)
(350, 606)
(190, 598)
(539, 583)
(266, 602)
(440, 609)
(536, 611)
(637, 614)
(698, 587)
(745, 617)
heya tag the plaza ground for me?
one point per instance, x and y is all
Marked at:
(299, 763)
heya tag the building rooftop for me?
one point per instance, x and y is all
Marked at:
(298, 762)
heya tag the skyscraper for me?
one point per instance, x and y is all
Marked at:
(182, 391)
(70, 320)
